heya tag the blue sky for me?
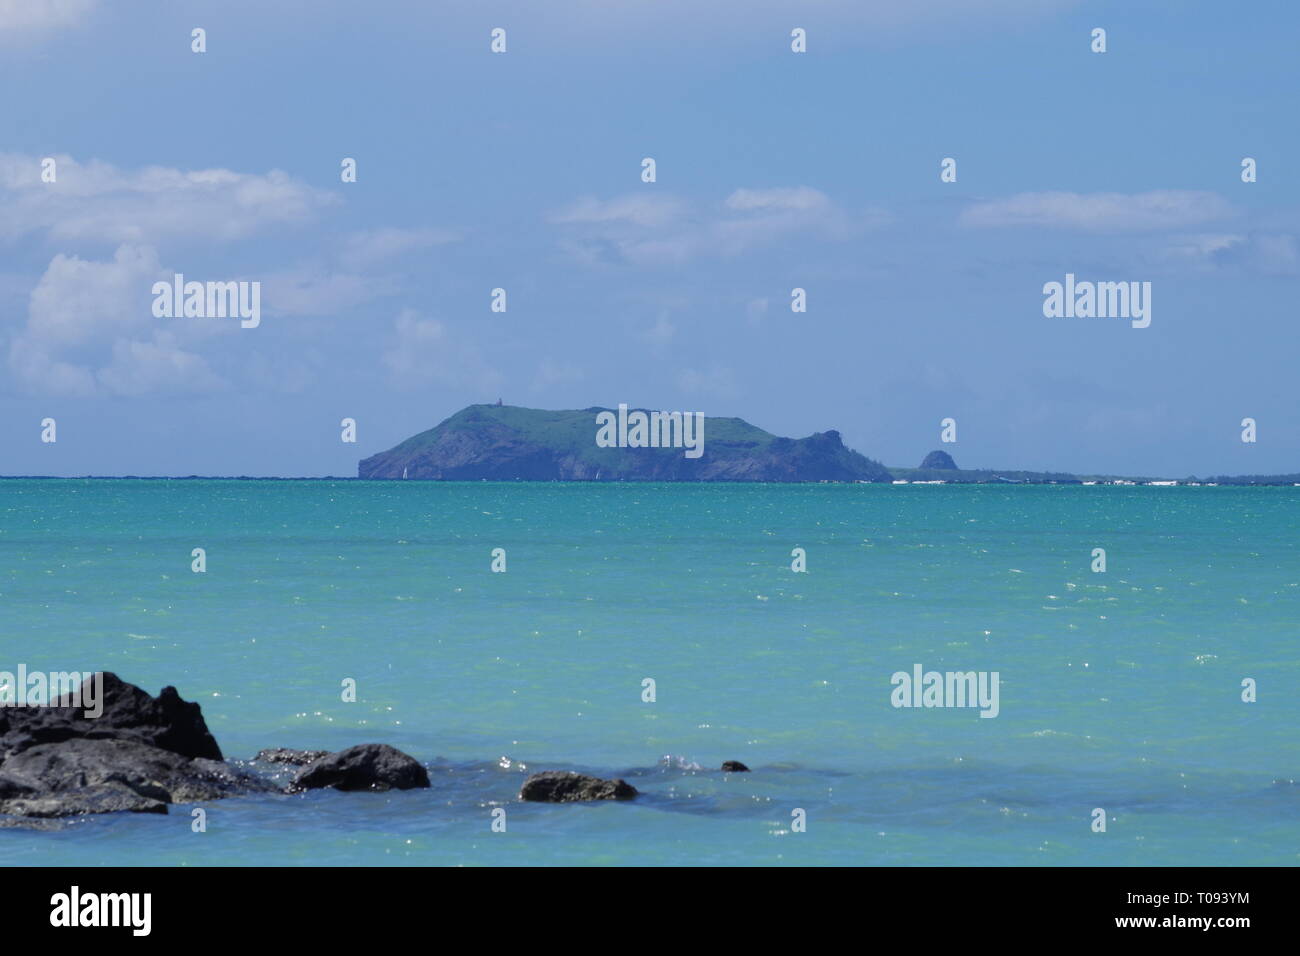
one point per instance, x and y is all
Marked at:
(523, 171)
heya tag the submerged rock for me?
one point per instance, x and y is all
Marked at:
(734, 766)
(364, 767)
(565, 786)
(69, 803)
(147, 771)
(297, 758)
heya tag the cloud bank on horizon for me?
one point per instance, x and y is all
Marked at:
(502, 237)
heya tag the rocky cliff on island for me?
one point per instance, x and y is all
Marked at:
(938, 460)
(508, 443)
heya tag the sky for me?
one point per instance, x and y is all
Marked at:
(775, 170)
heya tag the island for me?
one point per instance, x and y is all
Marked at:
(510, 443)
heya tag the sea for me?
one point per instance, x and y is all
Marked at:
(1147, 713)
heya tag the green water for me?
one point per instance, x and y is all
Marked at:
(1118, 690)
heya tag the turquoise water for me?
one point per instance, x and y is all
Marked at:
(1119, 690)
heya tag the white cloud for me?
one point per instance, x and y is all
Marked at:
(427, 352)
(1100, 212)
(77, 301)
(156, 365)
(783, 199)
(98, 201)
(638, 210)
(37, 370)
(1270, 254)
(90, 330)
(761, 216)
(23, 16)
(649, 230)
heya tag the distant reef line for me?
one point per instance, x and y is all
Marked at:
(511, 443)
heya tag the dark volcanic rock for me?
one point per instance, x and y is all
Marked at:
(364, 767)
(127, 764)
(939, 459)
(734, 766)
(565, 786)
(129, 713)
(12, 788)
(70, 803)
(297, 758)
(139, 755)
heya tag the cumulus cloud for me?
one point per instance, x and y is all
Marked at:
(98, 201)
(90, 330)
(78, 300)
(1101, 212)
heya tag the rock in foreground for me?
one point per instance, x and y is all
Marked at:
(139, 755)
(129, 713)
(565, 786)
(363, 767)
